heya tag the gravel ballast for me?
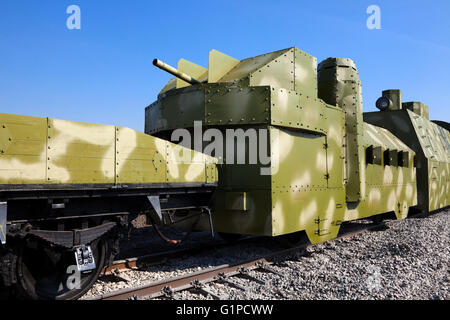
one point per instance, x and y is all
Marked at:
(408, 260)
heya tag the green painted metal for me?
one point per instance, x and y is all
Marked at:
(395, 97)
(418, 108)
(339, 85)
(430, 142)
(317, 142)
(325, 165)
(50, 151)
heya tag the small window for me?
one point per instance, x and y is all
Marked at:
(403, 159)
(390, 157)
(373, 155)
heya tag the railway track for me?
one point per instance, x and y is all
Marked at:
(220, 274)
(223, 274)
(136, 262)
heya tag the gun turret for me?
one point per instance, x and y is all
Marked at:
(183, 76)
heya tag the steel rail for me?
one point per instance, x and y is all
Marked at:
(135, 262)
(192, 280)
(221, 273)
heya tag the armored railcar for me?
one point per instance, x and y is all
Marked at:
(409, 122)
(327, 165)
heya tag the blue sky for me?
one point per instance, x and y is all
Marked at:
(103, 73)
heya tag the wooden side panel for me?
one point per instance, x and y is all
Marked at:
(50, 151)
(80, 152)
(23, 149)
(140, 158)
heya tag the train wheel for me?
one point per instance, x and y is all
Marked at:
(49, 273)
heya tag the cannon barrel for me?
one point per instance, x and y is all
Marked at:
(183, 76)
